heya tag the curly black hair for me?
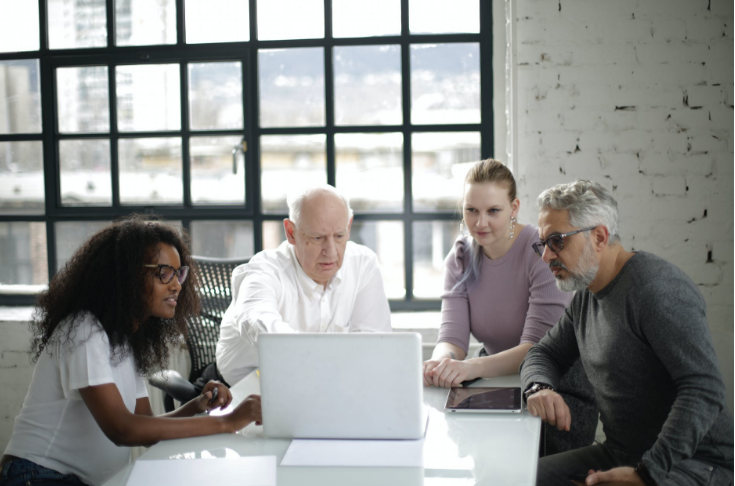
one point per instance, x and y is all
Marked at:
(106, 278)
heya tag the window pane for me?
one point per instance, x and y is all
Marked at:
(215, 177)
(150, 171)
(20, 97)
(445, 83)
(21, 178)
(385, 238)
(82, 94)
(442, 17)
(432, 240)
(289, 163)
(358, 18)
(145, 22)
(217, 21)
(290, 19)
(77, 24)
(273, 234)
(85, 172)
(370, 170)
(19, 26)
(440, 161)
(70, 235)
(148, 98)
(291, 87)
(23, 253)
(367, 85)
(215, 95)
(222, 239)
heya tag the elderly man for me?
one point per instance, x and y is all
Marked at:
(638, 325)
(316, 281)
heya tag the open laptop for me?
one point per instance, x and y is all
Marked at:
(342, 386)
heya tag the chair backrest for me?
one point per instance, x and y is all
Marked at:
(215, 294)
(214, 284)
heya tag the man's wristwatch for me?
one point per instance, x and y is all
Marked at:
(536, 387)
(643, 473)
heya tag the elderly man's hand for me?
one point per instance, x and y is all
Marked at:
(551, 408)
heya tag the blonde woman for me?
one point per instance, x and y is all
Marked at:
(497, 290)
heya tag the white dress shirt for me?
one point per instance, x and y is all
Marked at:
(272, 293)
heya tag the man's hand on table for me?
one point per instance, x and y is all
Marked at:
(622, 476)
(550, 407)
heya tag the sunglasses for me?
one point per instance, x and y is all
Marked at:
(166, 273)
(555, 241)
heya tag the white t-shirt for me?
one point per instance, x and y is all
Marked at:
(272, 293)
(55, 428)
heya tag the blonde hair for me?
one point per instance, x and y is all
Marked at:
(491, 170)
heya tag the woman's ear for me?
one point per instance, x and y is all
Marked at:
(515, 207)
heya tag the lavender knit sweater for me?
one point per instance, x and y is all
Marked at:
(515, 299)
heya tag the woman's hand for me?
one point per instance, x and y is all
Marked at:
(448, 372)
(429, 366)
(246, 412)
(204, 402)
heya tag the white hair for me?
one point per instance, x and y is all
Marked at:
(296, 200)
(588, 204)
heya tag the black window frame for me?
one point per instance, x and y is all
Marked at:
(246, 53)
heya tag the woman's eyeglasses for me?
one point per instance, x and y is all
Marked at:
(556, 241)
(166, 273)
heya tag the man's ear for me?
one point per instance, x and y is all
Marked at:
(349, 225)
(290, 229)
(601, 237)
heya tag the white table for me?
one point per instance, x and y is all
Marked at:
(459, 449)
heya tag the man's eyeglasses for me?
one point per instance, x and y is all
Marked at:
(166, 273)
(556, 241)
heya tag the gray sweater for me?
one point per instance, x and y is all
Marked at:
(645, 345)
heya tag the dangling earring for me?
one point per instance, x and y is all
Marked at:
(461, 228)
(512, 227)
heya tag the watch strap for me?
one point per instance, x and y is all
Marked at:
(536, 387)
(643, 473)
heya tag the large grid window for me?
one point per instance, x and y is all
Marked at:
(208, 112)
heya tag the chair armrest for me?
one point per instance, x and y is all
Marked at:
(172, 383)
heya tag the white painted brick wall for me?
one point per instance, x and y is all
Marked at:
(637, 95)
(16, 369)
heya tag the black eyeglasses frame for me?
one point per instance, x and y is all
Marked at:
(538, 246)
(174, 273)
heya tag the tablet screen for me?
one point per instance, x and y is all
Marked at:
(484, 399)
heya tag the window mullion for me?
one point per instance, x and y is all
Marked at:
(114, 159)
(407, 171)
(185, 133)
(487, 135)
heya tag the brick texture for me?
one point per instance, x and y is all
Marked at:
(637, 95)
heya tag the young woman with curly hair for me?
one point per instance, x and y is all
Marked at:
(106, 321)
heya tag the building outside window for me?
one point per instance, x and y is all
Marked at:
(208, 113)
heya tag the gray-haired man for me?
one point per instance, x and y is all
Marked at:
(638, 324)
(316, 281)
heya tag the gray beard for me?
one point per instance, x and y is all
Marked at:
(583, 276)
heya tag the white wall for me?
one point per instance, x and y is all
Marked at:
(15, 366)
(637, 95)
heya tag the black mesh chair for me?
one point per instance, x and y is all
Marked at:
(215, 294)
